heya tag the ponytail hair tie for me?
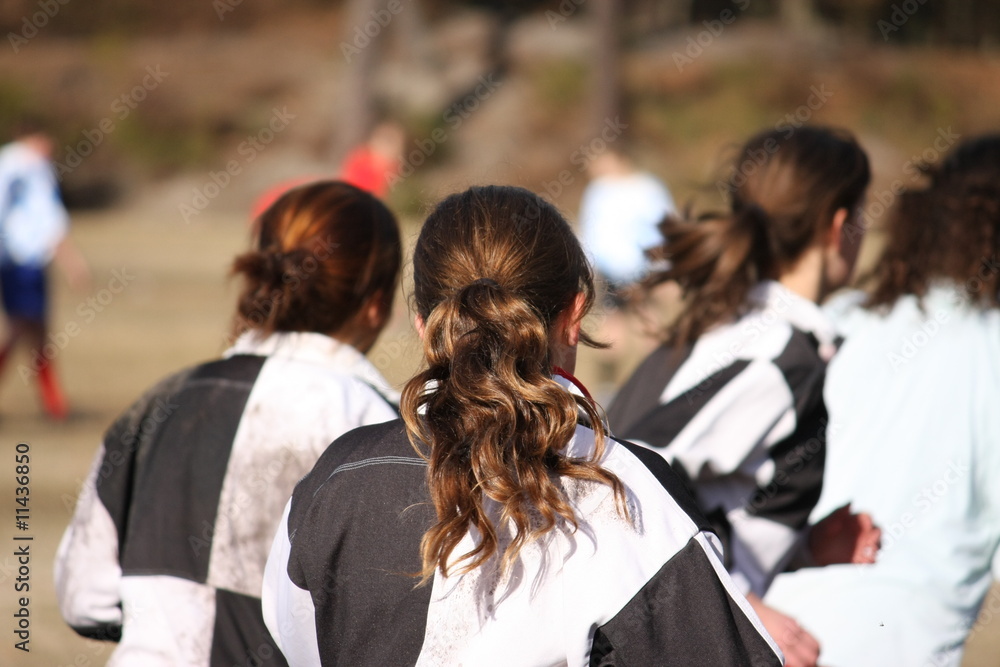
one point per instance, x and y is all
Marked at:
(488, 282)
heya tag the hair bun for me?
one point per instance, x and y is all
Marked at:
(277, 264)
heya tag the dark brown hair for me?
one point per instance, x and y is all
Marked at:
(784, 190)
(320, 252)
(947, 229)
(493, 268)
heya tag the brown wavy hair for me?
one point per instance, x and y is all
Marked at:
(319, 254)
(946, 229)
(784, 190)
(493, 268)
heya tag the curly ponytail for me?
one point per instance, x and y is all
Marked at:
(493, 268)
(785, 189)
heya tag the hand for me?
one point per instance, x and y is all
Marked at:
(844, 537)
(73, 265)
(800, 648)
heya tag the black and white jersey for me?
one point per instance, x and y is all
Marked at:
(740, 414)
(166, 550)
(649, 589)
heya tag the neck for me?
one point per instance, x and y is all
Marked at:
(805, 278)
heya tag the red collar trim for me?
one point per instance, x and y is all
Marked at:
(576, 383)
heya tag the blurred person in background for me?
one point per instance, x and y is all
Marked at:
(619, 213)
(375, 163)
(734, 397)
(33, 232)
(540, 540)
(166, 550)
(371, 166)
(914, 394)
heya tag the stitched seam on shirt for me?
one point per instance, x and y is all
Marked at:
(379, 460)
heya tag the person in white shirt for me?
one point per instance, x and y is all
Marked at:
(166, 550)
(497, 523)
(734, 398)
(914, 434)
(33, 233)
(619, 213)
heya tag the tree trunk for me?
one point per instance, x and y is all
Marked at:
(355, 110)
(607, 78)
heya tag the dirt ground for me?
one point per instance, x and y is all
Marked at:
(169, 307)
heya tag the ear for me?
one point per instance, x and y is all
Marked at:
(567, 329)
(835, 235)
(374, 313)
(418, 324)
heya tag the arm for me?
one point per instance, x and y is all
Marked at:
(288, 610)
(87, 571)
(72, 263)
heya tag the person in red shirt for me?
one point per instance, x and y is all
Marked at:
(369, 167)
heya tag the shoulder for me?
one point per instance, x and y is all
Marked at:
(641, 392)
(328, 384)
(676, 485)
(764, 338)
(160, 402)
(645, 474)
(367, 489)
(361, 456)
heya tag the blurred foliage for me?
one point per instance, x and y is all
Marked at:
(16, 103)
(196, 120)
(163, 149)
(973, 23)
(562, 84)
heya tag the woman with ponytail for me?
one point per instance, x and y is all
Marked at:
(734, 397)
(166, 551)
(497, 523)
